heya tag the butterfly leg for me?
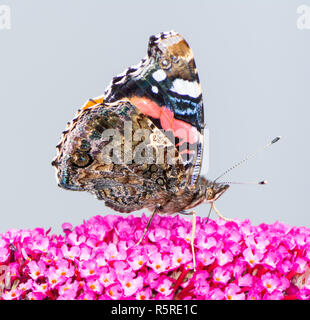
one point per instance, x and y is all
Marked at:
(193, 213)
(219, 214)
(147, 227)
(209, 214)
(193, 239)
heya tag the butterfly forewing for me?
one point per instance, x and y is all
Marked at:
(165, 87)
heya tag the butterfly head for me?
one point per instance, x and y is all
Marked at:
(214, 190)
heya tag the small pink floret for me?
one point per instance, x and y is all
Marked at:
(98, 260)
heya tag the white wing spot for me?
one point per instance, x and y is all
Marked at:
(159, 75)
(155, 89)
(185, 87)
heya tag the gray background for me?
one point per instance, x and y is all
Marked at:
(254, 68)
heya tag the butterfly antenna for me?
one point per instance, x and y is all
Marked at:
(249, 182)
(249, 157)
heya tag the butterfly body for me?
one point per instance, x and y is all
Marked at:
(140, 144)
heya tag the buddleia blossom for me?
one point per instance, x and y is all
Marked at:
(99, 260)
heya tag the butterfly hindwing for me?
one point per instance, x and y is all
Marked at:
(93, 158)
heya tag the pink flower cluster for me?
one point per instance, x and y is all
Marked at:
(99, 260)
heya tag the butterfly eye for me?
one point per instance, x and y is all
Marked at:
(84, 145)
(81, 159)
(210, 194)
(165, 63)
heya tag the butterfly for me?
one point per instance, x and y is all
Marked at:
(140, 144)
